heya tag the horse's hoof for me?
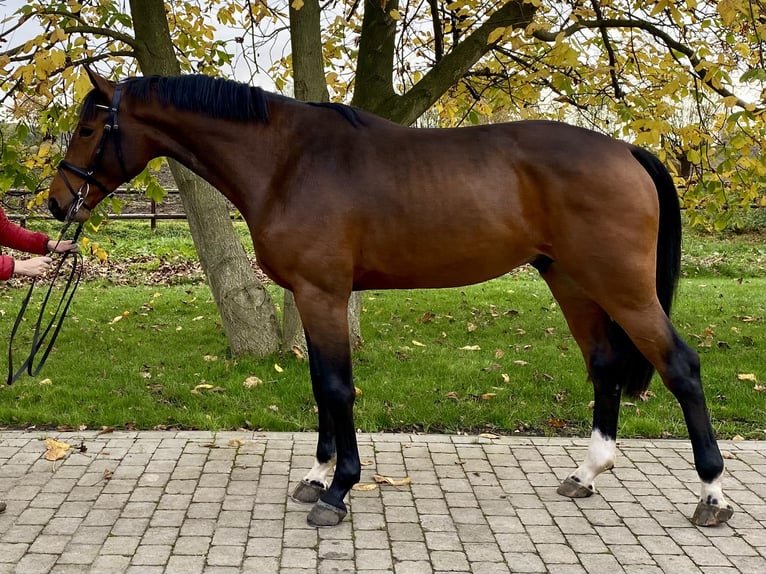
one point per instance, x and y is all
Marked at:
(710, 515)
(573, 489)
(3, 506)
(323, 514)
(307, 492)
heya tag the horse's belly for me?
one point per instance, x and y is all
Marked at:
(437, 271)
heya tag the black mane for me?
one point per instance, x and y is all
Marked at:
(214, 97)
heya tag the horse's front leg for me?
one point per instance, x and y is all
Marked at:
(325, 320)
(315, 483)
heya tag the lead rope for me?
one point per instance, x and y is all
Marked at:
(39, 336)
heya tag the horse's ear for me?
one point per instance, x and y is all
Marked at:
(99, 82)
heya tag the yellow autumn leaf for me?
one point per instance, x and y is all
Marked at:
(56, 450)
(747, 377)
(278, 369)
(357, 392)
(418, 343)
(395, 15)
(380, 479)
(364, 486)
(495, 35)
(471, 348)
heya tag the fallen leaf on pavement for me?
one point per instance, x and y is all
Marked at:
(364, 486)
(380, 479)
(56, 449)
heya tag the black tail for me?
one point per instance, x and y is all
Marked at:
(635, 370)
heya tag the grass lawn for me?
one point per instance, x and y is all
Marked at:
(495, 356)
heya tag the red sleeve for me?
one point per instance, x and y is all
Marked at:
(16, 237)
(6, 267)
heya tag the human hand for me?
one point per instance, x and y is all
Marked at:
(32, 267)
(62, 246)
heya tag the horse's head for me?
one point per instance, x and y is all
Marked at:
(104, 152)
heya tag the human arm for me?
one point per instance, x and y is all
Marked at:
(30, 267)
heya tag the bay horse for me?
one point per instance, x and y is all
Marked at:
(339, 200)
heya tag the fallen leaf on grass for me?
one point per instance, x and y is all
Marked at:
(380, 479)
(56, 449)
(506, 378)
(278, 369)
(46, 382)
(357, 392)
(120, 317)
(471, 348)
(206, 387)
(251, 382)
(747, 377)
(418, 343)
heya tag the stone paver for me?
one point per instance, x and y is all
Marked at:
(207, 503)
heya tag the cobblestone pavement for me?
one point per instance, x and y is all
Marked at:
(191, 502)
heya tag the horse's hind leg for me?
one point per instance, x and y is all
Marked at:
(589, 325)
(315, 483)
(679, 366)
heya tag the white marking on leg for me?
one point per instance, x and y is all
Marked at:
(600, 458)
(712, 493)
(320, 471)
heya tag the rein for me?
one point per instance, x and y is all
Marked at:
(111, 127)
(54, 325)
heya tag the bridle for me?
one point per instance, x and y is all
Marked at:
(110, 127)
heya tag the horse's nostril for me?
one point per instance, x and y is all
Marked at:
(53, 207)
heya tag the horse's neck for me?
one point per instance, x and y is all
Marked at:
(236, 159)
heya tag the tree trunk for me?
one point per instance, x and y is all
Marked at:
(247, 311)
(311, 86)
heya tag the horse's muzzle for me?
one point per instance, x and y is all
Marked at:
(56, 211)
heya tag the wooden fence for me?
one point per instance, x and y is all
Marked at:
(137, 206)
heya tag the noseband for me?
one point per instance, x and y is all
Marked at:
(110, 127)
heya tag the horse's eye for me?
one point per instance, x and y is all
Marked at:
(85, 132)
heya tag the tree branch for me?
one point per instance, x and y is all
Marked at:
(438, 32)
(609, 51)
(95, 30)
(697, 63)
(406, 108)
